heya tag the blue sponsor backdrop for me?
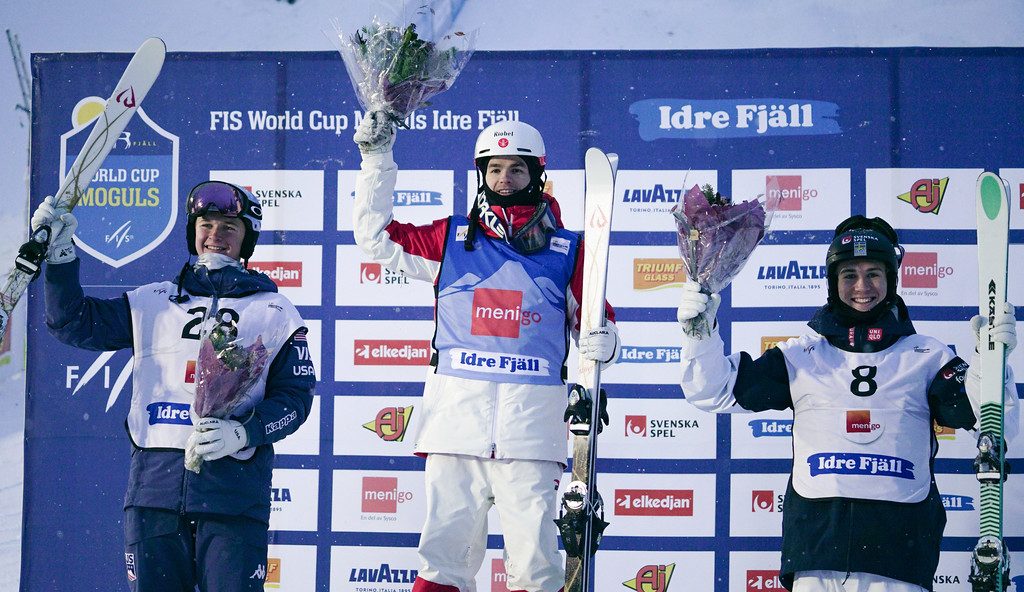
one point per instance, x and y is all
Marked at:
(687, 110)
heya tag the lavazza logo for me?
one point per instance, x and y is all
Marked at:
(286, 274)
(391, 352)
(654, 502)
(922, 270)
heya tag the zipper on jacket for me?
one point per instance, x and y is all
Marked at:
(494, 424)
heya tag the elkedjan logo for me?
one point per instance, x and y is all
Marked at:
(286, 274)
(926, 195)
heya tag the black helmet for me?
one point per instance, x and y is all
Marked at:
(858, 237)
(228, 200)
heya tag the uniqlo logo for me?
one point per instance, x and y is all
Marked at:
(499, 579)
(764, 580)
(858, 421)
(762, 500)
(380, 495)
(497, 312)
(788, 189)
(875, 334)
(370, 273)
(636, 426)
(190, 372)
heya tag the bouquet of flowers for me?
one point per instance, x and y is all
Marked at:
(398, 68)
(716, 237)
(226, 372)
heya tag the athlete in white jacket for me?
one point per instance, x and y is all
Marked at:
(508, 279)
(861, 511)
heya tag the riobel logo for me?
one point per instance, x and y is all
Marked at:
(652, 274)
(771, 427)
(922, 270)
(173, 413)
(764, 580)
(791, 271)
(957, 503)
(733, 118)
(390, 423)
(788, 191)
(654, 502)
(383, 574)
(499, 313)
(381, 495)
(391, 352)
(286, 274)
(651, 578)
(657, 194)
(417, 198)
(926, 195)
(650, 354)
(851, 463)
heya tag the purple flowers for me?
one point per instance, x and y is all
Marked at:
(716, 237)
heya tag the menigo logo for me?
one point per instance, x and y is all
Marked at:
(499, 578)
(922, 270)
(659, 354)
(381, 495)
(131, 203)
(390, 423)
(417, 198)
(286, 274)
(500, 313)
(957, 503)
(651, 578)
(766, 500)
(652, 274)
(770, 341)
(926, 195)
(654, 502)
(375, 273)
(760, 428)
(383, 574)
(391, 352)
(860, 428)
(788, 191)
(764, 580)
(173, 413)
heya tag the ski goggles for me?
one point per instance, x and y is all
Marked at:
(216, 196)
(533, 236)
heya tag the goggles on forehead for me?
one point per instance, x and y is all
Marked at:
(216, 196)
(533, 236)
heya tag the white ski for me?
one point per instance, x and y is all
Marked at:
(136, 81)
(990, 561)
(581, 519)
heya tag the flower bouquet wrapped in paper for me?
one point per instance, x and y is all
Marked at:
(396, 67)
(716, 237)
(226, 373)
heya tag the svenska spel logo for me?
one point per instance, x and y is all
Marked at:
(636, 426)
(762, 500)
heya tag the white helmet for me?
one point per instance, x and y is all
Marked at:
(510, 138)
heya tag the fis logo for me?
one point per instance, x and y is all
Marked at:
(652, 274)
(654, 502)
(390, 423)
(788, 191)
(286, 274)
(391, 352)
(500, 313)
(764, 580)
(770, 341)
(651, 578)
(922, 270)
(120, 236)
(381, 495)
(926, 195)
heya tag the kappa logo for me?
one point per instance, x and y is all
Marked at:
(788, 191)
(259, 573)
(391, 423)
(926, 195)
(651, 578)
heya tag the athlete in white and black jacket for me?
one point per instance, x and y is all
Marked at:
(861, 508)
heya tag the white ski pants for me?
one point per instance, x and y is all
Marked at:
(838, 581)
(459, 492)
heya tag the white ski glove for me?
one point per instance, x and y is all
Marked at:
(62, 229)
(601, 344)
(693, 305)
(1004, 328)
(375, 134)
(216, 438)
